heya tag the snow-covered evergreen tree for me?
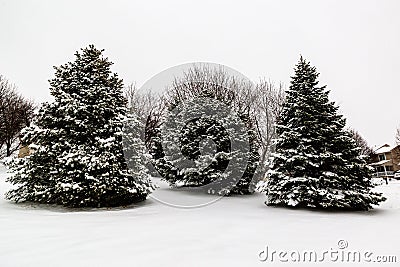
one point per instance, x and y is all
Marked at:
(79, 142)
(317, 163)
(200, 152)
(207, 138)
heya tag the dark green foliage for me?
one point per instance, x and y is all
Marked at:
(317, 162)
(193, 147)
(78, 141)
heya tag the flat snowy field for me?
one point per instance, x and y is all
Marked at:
(230, 232)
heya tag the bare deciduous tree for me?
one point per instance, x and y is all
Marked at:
(361, 142)
(398, 136)
(140, 103)
(16, 112)
(147, 107)
(226, 88)
(268, 104)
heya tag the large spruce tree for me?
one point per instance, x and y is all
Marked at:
(78, 142)
(317, 163)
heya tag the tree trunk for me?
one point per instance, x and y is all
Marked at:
(8, 153)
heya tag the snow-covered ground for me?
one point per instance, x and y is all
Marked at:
(230, 232)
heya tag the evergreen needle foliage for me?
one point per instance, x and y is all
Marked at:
(78, 158)
(317, 162)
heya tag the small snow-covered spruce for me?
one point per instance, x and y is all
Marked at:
(187, 157)
(78, 158)
(317, 163)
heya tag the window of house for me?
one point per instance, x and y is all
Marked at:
(389, 168)
(381, 157)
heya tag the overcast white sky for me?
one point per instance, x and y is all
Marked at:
(355, 44)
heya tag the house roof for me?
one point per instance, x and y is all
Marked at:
(384, 149)
(379, 162)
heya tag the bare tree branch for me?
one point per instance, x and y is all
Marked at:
(361, 143)
(268, 103)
